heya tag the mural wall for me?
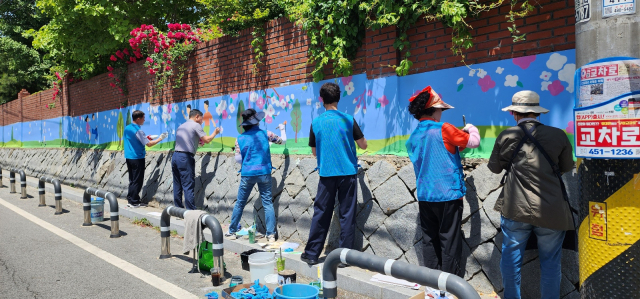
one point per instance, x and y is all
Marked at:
(378, 105)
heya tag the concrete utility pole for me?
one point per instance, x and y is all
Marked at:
(609, 188)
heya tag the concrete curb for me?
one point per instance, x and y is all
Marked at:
(349, 279)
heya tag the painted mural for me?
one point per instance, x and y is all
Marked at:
(378, 105)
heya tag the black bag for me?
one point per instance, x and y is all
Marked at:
(571, 237)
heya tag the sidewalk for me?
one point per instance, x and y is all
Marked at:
(350, 279)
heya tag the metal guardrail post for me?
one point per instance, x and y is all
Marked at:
(57, 189)
(422, 275)
(23, 182)
(1, 185)
(12, 181)
(113, 209)
(209, 221)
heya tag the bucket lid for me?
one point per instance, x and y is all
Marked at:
(262, 257)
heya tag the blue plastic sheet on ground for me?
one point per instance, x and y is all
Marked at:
(212, 295)
(254, 292)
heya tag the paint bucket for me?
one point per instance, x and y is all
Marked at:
(286, 277)
(97, 209)
(296, 291)
(262, 264)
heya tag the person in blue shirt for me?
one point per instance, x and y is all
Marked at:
(333, 139)
(434, 149)
(253, 153)
(134, 152)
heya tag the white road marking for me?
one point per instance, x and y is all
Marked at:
(143, 275)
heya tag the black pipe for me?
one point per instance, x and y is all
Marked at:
(12, 181)
(23, 182)
(57, 189)
(209, 221)
(422, 275)
(113, 211)
(1, 177)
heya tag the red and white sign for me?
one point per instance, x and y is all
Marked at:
(608, 131)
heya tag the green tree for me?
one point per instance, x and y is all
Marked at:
(128, 117)
(12, 134)
(296, 118)
(239, 117)
(120, 128)
(22, 66)
(83, 34)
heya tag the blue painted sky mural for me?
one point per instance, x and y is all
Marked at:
(378, 105)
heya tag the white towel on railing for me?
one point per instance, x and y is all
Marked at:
(192, 230)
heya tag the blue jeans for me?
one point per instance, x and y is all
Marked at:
(514, 243)
(246, 185)
(183, 166)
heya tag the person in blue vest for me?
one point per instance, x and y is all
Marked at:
(253, 153)
(135, 141)
(333, 139)
(434, 149)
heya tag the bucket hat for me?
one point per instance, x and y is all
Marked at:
(526, 101)
(434, 101)
(253, 120)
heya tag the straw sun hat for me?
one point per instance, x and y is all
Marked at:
(526, 101)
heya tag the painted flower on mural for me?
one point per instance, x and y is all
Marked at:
(382, 102)
(460, 85)
(566, 75)
(486, 83)
(460, 80)
(253, 97)
(269, 112)
(472, 72)
(556, 87)
(499, 70)
(318, 105)
(349, 88)
(308, 101)
(346, 80)
(570, 128)
(545, 85)
(556, 61)
(232, 108)
(482, 73)
(221, 108)
(284, 101)
(545, 76)
(234, 96)
(512, 81)
(524, 62)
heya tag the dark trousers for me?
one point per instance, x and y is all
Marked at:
(183, 166)
(442, 235)
(347, 188)
(136, 179)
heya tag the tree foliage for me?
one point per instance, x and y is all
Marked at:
(82, 34)
(296, 118)
(22, 66)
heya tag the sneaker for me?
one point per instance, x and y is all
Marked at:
(259, 235)
(231, 235)
(133, 206)
(271, 238)
(341, 265)
(144, 204)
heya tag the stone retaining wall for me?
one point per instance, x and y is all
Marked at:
(387, 218)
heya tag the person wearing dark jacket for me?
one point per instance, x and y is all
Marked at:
(532, 200)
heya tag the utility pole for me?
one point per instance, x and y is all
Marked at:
(606, 110)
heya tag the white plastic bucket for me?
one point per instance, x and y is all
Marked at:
(262, 264)
(97, 209)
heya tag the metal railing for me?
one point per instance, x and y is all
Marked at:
(209, 221)
(422, 275)
(113, 209)
(57, 190)
(1, 185)
(23, 182)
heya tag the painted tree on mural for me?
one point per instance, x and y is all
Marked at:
(60, 131)
(128, 117)
(296, 118)
(120, 128)
(12, 134)
(239, 117)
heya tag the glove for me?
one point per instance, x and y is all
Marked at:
(164, 135)
(467, 127)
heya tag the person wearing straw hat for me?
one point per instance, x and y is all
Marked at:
(533, 199)
(253, 153)
(434, 149)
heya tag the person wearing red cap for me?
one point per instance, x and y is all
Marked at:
(434, 149)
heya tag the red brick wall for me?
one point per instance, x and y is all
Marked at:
(225, 65)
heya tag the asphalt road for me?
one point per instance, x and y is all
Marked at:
(43, 255)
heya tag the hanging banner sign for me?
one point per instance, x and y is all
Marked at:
(583, 11)
(599, 82)
(607, 109)
(618, 7)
